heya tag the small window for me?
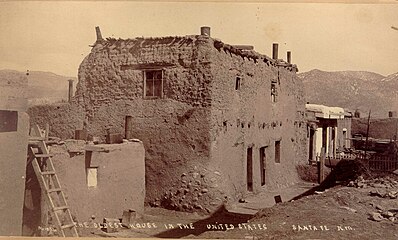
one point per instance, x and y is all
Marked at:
(153, 84)
(237, 83)
(273, 92)
(277, 151)
(92, 176)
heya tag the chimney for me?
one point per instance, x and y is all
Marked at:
(205, 31)
(70, 95)
(275, 51)
(99, 35)
(289, 57)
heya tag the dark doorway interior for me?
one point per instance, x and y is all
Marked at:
(250, 169)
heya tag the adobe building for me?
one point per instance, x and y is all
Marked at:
(99, 181)
(328, 128)
(217, 121)
(14, 131)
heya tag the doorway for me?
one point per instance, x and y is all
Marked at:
(249, 168)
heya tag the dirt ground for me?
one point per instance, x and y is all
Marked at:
(361, 209)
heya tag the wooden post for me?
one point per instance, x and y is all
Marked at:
(321, 166)
(366, 141)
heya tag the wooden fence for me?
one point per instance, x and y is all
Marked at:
(383, 163)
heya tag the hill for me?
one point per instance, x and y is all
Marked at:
(43, 87)
(353, 89)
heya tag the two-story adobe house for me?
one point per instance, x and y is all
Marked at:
(217, 121)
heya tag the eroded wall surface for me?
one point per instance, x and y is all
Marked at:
(63, 118)
(174, 128)
(197, 134)
(245, 117)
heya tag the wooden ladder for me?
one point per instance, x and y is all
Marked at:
(40, 158)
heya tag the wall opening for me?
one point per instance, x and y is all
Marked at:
(273, 91)
(263, 158)
(249, 160)
(153, 84)
(128, 125)
(237, 82)
(311, 145)
(92, 177)
(277, 151)
(8, 121)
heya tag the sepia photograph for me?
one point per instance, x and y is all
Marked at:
(199, 119)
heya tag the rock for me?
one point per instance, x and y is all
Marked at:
(379, 185)
(186, 190)
(205, 190)
(183, 174)
(387, 214)
(185, 205)
(378, 207)
(349, 209)
(197, 206)
(242, 200)
(195, 174)
(396, 172)
(392, 219)
(376, 217)
(217, 173)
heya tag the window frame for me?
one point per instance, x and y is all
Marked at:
(153, 96)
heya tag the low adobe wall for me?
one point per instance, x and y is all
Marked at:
(120, 182)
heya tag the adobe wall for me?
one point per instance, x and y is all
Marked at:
(247, 117)
(14, 130)
(174, 129)
(63, 118)
(120, 181)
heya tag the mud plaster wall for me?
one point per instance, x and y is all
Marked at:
(247, 118)
(175, 129)
(121, 179)
(13, 149)
(13, 153)
(63, 118)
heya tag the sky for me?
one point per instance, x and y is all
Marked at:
(55, 36)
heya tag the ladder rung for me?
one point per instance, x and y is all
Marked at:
(48, 173)
(68, 226)
(60, 208)
(54, 190)
(31, 138)
(42, 155)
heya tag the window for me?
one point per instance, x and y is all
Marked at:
(153, 85)
(92, 176)
(8, 121)
(237, 83)
(277, 151)
(273, 91)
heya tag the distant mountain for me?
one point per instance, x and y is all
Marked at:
(43, 87)
(353, 89)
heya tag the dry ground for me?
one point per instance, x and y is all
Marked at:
(367, 209)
